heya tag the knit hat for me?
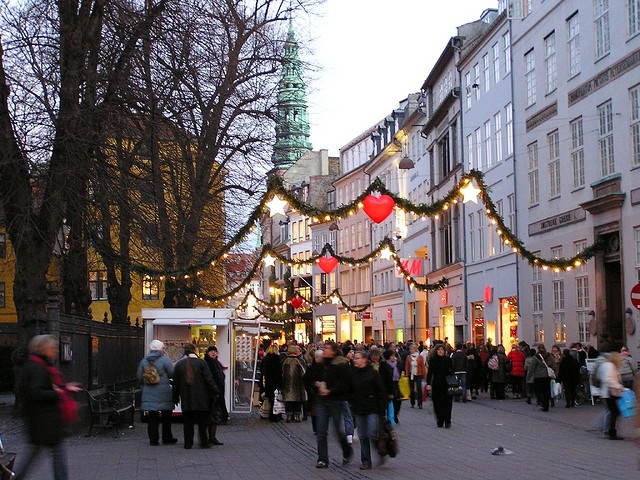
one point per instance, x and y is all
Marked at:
(156, 345)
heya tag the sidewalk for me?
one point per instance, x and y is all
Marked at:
(561, 443)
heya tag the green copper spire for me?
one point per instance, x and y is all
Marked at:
(292, 124)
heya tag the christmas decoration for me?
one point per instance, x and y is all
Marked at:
(327, 264)
(378, 208)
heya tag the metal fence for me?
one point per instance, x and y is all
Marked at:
(95, 353)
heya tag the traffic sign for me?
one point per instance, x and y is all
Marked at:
(635, 296)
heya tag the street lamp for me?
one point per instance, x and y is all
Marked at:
(406, 163)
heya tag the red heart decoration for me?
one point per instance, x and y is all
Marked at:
(327, 264)
(378, 208)
(296, 302)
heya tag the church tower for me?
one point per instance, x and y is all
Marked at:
(292, 124)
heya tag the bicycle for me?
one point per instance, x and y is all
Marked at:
(581, 395)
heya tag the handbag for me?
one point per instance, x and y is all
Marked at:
(278, 404)
(550, 372)
(391, 414)
(69, 408)
(387, 439)
(453, 386)
(404, 387)
(627, 404)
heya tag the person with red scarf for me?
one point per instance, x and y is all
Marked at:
(45, 393)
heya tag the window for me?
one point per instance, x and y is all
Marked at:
(478, 156)
(301, 230)
(636, 237)
(307, 229)
(633, 13)
(476, 80)
(573, 45)
(634, 97)
(560, 328)
(506, 52)
(534, 185)
(486, 72)
(601, 27)
(508, 117)
(550, 67)
(511, 219)
(497, 122)
(537, 296)
(470, 159)
(495, 52)
(444, 155)
(150, 289)
(468, 89)
(530, 77)
(500, 210)
(553, 144)
(360, 235)
(605, 116)
(3, 245)
(488, 148)
(294, 233)
(446, 238)
(98, 284)
(584, 335)
(472, 237)
(481, 218)
(3, 300)
(577, 153)
(538, 330)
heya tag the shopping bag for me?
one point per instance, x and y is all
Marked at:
(627, 404)
(265, 408)
(391, 414)
(404, 387)
(425, 394)
(556, 388)
(278, 404)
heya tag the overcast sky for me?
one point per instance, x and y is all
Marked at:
(370, 55)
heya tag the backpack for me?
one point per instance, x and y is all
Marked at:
(150, 375)
(494, 363)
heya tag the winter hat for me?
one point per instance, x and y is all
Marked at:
(156, 345)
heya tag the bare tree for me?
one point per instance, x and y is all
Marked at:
(155, 117)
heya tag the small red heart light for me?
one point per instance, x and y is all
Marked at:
(378, 208)
(296, 302)
(327, 264)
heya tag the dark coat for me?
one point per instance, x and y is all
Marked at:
(386, 374)
(293, 369)
(367, 392)
(459, 361)
(217, 372)
(159, 397)
(41, 409)
(569, 371)
(439, 368)
(500, 375)
(271, 371)
(198, 395)
(335, 373)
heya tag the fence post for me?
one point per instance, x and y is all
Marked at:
(53, 316)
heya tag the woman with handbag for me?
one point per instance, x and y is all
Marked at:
(541, 364)
(43, 388)
(439, 368)
(271, 372)
(611, 389)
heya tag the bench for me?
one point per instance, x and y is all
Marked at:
(106, 409)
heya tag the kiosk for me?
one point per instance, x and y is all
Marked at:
(237, 341)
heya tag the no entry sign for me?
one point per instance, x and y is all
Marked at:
(635, 296)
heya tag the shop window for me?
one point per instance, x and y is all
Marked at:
(3, 302)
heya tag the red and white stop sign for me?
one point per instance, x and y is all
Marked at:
(635, 296)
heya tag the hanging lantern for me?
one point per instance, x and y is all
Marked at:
(327, 264)
(378, 208)
(296, 302)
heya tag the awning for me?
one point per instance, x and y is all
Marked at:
(192, 321)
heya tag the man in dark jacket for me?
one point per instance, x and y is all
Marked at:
(459, 363)
(195, 388)
(332, 384)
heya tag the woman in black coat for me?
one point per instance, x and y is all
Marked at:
(439, 368)
(219, 412)
(569, 377)
(271, 371)
(193, 385)
(42, 384)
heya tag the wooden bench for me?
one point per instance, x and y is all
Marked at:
(105, 409)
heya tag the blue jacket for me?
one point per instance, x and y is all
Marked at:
(157, 397)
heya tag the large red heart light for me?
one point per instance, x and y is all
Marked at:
(296, 302)
(327, 264)
(378, 208)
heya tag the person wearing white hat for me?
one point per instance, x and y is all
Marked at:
(157, 395)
